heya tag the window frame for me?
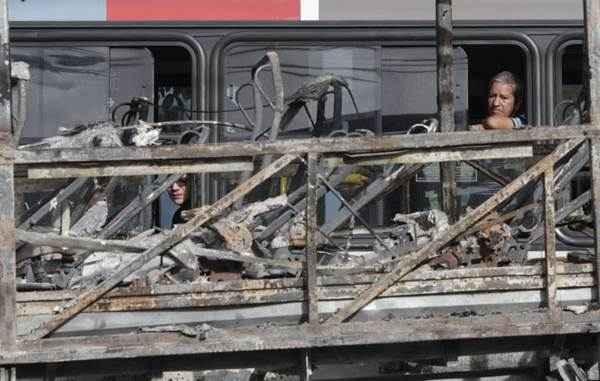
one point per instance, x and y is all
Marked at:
(554, 62)
(401, 37)
(141, 37)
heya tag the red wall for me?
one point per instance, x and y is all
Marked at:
(140, 10)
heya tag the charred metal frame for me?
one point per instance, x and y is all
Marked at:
(320, 331)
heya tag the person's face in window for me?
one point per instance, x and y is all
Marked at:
(178, 191)
(501, 100)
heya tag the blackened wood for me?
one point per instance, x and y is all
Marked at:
(312, 209)
(408, 263)
(177, 235)
(550, 242)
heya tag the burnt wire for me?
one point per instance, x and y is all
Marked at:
(130, 114)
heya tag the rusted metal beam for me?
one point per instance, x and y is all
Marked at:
(445, 100)
(592, 86)
(269, 337)
(595, 169)
(566, 270)
(132, 169)
(74, 243)
(301, 146)
(592, 26)
(167, 300)
(176, 236)
(438, 156)
(409, 262)
(312, 187)
(550, 243)
(8, 288)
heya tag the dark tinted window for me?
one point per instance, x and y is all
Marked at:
(301, 69)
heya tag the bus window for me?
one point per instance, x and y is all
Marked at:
(569, 96)
(409, 97)
(79, 85)
(70, 86)
(173, 96)
(357, 67)
(485, 61)
(352, 106)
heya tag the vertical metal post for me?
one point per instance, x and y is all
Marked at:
(7, 222)
(445, 100)
(591, 10)
(312, 198)
(550, 243)
(592, 26)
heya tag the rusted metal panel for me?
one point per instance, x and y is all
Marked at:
(409, 262)
(419, 276)
(132, 169)
(301, 146)
(269, 337)
(550, 242)
(172, 239)
(245, 298)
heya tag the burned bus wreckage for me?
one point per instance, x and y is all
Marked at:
(259, 279)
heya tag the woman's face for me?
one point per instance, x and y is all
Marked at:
(178, 191)
(501, 100)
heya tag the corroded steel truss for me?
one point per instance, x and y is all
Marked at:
(327, 301)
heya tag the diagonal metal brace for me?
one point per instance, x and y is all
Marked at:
(77, 305)
(355, 213)
(410, 262)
